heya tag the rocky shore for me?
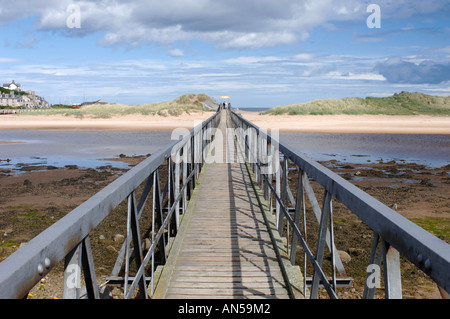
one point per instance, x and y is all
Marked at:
(34, 197)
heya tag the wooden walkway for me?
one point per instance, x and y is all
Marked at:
(223, 248)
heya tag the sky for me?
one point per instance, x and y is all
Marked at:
(260, 53)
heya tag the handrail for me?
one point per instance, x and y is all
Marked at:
(68, 238)
(393, 233)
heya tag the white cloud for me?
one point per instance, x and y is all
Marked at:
(9, 60)
(176, 53)
(356, 76)
(303, 57)
(253, 59)
(229, 24)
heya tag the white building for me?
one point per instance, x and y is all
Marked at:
(12, 86)
(24, 99)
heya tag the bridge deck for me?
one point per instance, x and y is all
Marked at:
(223, 248)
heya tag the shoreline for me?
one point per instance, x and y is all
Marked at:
(381, 124)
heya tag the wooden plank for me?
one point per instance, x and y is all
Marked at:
(237, 261)
(218, 246)
(201, 254)
(268, 284)
(225, 279)
(227, 291)
(226, 251)
(224, 273)
(230, 267)
(175, 296)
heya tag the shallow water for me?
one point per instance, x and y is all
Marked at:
(82, 148)
(89, 148)
(431, 150)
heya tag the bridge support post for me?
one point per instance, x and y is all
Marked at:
(80, 258)
(133, 234)
(177, 189)
(323, 227)
(382, 251)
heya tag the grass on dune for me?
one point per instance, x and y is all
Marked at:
(404, 103)
(180, 105)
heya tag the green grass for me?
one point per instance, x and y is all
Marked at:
(404, 103)
(437, 226)
(29, 214)
(184, 103)
(16, 92)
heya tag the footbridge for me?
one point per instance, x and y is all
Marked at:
(224, 211)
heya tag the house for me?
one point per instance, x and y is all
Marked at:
(18, 98)
(93, 103)
(13, 86)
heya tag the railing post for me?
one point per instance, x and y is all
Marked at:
(283, 193)
(373, 270)
(326, 211)
(392, 274)
(383, 251)
(158, 216)
(134, 233)
(80, 258)
(265, 161)
(185, 174)
(177, 188)
(72, 274)
(299, 207)
(277, 184)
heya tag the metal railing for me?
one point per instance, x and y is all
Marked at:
(68, 239)
(393, 234)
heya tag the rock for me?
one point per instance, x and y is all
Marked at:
(105, 293)
(118, 238)
(7, 231)
(345, 257)
(356, 251)
(146, 244)
(111, 249)
(27, 182)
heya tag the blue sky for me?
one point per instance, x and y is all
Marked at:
(260, 53)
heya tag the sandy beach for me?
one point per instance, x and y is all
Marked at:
(418, 124)
(128, 122)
